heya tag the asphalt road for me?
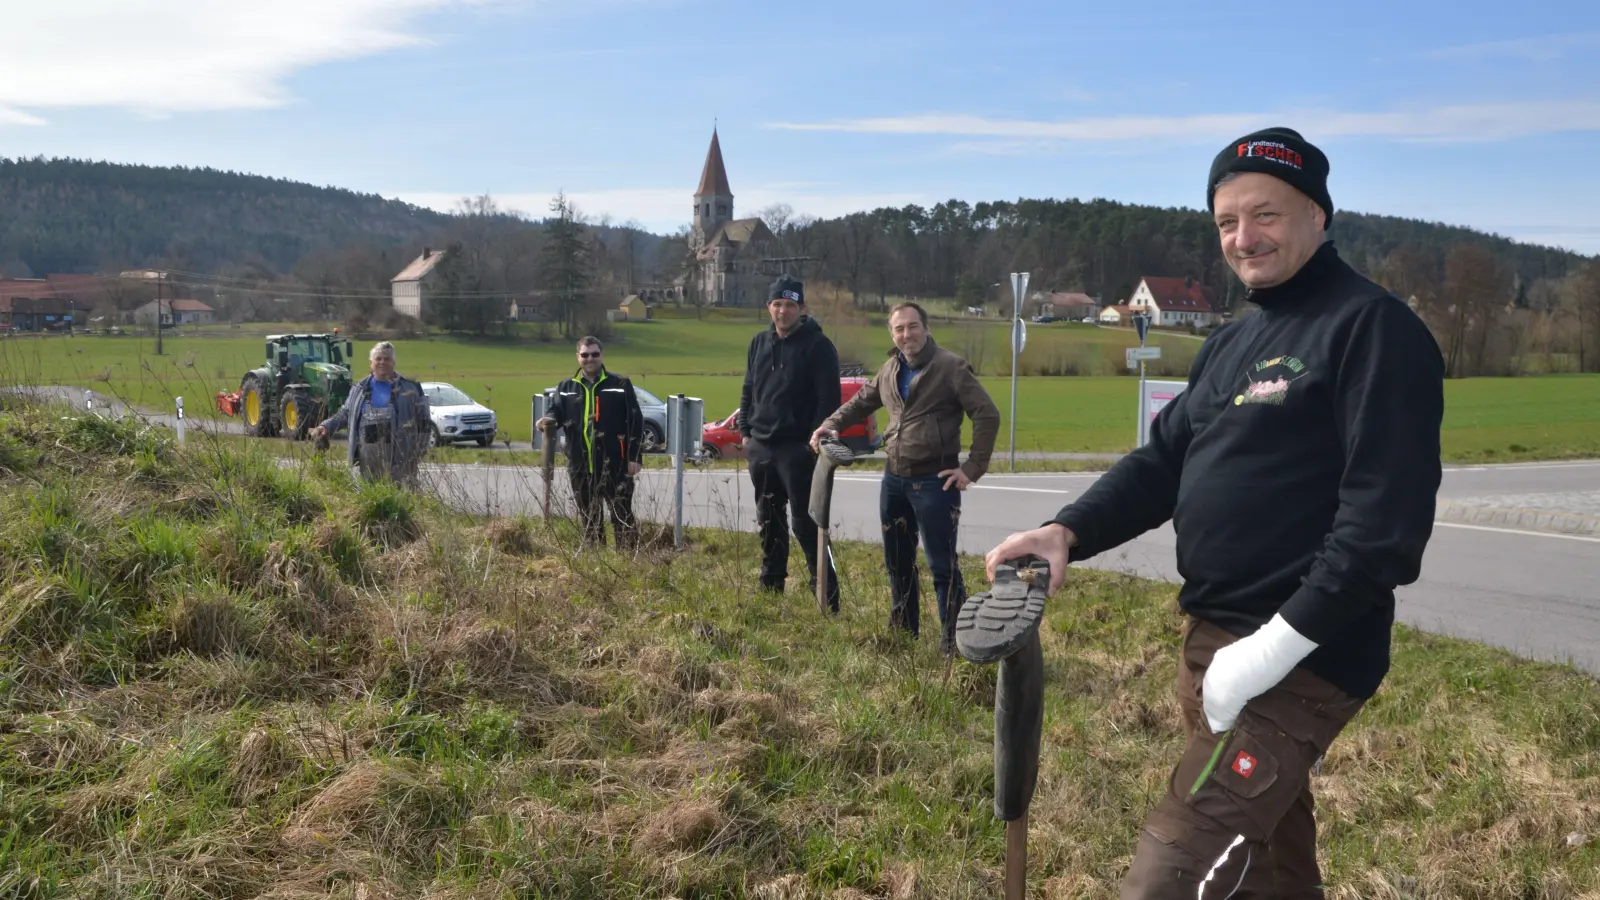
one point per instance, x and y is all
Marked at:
(1532, 592)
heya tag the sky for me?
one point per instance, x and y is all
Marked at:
(1483, 114)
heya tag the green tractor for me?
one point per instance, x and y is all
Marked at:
(306, 378)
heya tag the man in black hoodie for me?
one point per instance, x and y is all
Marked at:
(791, 384)
(1299, 468)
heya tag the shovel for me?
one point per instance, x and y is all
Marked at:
(547, 464)
(1002, 625)
(834, 454)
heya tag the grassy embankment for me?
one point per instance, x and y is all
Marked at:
(223, 677)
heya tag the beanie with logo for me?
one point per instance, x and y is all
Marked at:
(1281, 153)
(787, 288)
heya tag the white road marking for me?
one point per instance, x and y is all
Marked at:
(1540, 534)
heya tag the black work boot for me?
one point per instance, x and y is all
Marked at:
(996, 623)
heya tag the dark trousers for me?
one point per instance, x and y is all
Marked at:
(1252, 782)
(909, 507)
(594, 492)
(781, 473)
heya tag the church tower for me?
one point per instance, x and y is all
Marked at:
(713, 199)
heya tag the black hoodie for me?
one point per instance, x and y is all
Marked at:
(1299, 469)
(791, 384)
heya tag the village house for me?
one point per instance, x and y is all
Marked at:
(176, 311)
(410, 290)
(35, 305)
(1060, 304)
(1176, 302)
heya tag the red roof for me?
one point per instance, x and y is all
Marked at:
(1181, 295)
(714, 177)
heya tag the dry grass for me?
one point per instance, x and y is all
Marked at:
(281, 687)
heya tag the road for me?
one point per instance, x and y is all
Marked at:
(1535, 593)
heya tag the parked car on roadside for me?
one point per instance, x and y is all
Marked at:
(721, 439)
(457, 417)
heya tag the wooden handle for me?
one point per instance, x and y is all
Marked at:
(1017, 858)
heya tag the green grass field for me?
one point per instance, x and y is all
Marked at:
(1547, 417)
(222, 677)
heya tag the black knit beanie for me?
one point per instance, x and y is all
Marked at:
(788, 288)
(1281, 153)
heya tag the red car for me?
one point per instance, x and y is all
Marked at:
(720, 440)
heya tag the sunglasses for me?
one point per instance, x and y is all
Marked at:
(588, 356)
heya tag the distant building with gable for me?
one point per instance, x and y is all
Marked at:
(726, 253)
(410, 290)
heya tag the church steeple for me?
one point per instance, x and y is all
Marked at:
(713, 199)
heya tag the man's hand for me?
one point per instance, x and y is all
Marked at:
(1248, 668)
(318, 433)
(1051, 543)
(955, 477)
(633, 469)
(544, 423)
(817, 436)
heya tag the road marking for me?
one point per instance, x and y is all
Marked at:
(1501, 467)
(1542, 534)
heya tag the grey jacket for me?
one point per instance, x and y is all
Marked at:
(411, 414)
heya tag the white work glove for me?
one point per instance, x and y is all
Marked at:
(1249, 667)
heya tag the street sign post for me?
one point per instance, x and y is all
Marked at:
(1141, 324)
(1019, 337)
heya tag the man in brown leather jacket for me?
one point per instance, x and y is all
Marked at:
(927, 390)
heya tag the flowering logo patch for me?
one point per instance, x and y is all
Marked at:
(1272, 150)
(1244, 764)
(1268, 381)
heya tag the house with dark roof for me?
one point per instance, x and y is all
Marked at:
(32, 304)
(726, 252)
(1175, 302)
(409, 291)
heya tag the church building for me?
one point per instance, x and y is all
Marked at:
(726, 252)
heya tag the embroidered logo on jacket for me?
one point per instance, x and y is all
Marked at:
(1269, 380)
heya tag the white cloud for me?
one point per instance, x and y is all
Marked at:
(1537, 49)
(664, 210)
(17, 117)
(1489, 121)
(165, 56)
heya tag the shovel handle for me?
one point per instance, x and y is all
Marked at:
(1017, 858)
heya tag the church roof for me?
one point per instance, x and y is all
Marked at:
(714, 177)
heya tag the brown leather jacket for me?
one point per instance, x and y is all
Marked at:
(924, 432)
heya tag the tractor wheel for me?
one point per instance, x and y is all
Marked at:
(256, 408)
(295, 415)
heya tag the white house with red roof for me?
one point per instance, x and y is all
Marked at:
(1175, 302)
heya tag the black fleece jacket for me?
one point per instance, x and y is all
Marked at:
(1299, 468)
(791, 384)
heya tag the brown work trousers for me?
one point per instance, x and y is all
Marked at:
(1238, 814)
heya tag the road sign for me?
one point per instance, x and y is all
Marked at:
(1137, 353)
(1019, 336)
(1141, 324)
(1153, 396)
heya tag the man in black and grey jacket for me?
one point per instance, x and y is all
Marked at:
(1299, 468)
(599, 417)
(791, 384)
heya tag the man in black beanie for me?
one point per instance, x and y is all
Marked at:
(1299, 468)
(791, 384)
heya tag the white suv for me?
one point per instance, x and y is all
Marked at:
(457, 417)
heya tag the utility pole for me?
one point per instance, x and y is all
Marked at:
(158, 312)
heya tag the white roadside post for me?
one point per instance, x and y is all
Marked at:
(88, 400)
(180, 420)
(1019, 338)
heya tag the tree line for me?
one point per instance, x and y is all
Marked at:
(274, 250)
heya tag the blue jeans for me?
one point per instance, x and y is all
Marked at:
(907, 508)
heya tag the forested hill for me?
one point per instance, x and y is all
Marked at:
(62, 215)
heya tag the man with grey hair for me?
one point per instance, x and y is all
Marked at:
(387, 414)
(1299, 469)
